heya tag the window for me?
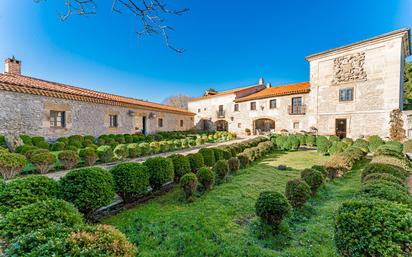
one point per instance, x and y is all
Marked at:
(57, 119)
(346, 94)
(253, 106)
(113, 121)
(272, 104)
(239, 125)
(198, 110)
(295, 125)
(236, 108)
(160, 122)
(204, 109)
(181, 123)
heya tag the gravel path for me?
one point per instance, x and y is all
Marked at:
(58, 174)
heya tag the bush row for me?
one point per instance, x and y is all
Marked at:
(378, 220)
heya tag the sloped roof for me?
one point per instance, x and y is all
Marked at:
(227, 92)
(289, 89)
(29, 85)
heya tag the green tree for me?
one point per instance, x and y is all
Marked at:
(407, 86)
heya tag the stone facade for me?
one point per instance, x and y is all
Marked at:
(30, 114)
(370, 71)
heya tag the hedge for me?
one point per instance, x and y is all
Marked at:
(196, 161)
(160, 170)
(209, 157)
(131, 180)
(206, 177)
(181, 165)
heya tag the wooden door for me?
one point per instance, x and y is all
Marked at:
(341, 128)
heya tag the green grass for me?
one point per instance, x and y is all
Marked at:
(223, 222)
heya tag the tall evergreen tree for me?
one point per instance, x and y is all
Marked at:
(407, 86)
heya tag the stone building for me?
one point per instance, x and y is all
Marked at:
(38, 107)
(351, 92)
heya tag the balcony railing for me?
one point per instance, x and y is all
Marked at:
(297, 109)
(220, 114)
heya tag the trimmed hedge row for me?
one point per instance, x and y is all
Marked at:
(378, 221)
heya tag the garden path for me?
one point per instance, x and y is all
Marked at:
(58, 174)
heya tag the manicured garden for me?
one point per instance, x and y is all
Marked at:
(265, 196)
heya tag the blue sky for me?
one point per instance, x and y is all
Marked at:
(228, 43)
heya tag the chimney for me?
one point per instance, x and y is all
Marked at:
(12, 66)
(268, 85)
(261, 81)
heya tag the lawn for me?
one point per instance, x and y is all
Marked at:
(223, 222)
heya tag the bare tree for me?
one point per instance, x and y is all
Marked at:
(151, 15)
(179, 101)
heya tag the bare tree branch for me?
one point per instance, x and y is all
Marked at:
(151, 15)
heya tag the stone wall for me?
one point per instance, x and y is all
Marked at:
(30, 114)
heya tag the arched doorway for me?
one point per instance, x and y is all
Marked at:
(221, 125)
(262, 126)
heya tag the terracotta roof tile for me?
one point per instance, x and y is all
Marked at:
(29, 85)
(227, 92)
(290, 89)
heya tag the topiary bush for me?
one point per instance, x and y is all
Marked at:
(234, 164)
(69, 159)
(131, 180)
(88, 188)
(272, 207)
(383, 176)
(99, 240)
(313, 178)
(310, 140)
(297, 192)
(385, 159)
(58, 146)
(41, 214)
(206, 177)
(88, 155)
(336, 147)
(385, 191)
(145, 148)
(24, 191)
(407, 146)
(339, 164)
(104, 153)
(399, 187)
(218, 153)
(134, 150)
(43, 162)
(321, 169)
(188, 183)
(374, 143)
(373, 227)
(120, 152)
(181, 165)
(244, 160)
(323, 144)
(221, 169)
(362, 144)
(40, 142)
(384, 168)
(11, 164)
(196, 161)
(208, 156)
(161, 171)
(26, 140)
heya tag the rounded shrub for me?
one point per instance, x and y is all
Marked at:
(160, 170)
(99, 240)
(120, 152)
(389, 151)
(244, 160)
(181, 165)
(23, 149)
(154, 147)
(272, 207)
(26, 139)
(234, 164)
(218, 153)
(24, 191)
(383, 176)
(221, 169)
(104, 153)
(373, 227)
(11, 164)
(206, 177)
(131, 180)
(339, 164)
(384, 168)
(88, 188)
(40, 142)
(297, 192)
(322, 169)
(310, 140)
(313, 178)
(88, 156)
(323, 144)
(134, 150)
(196, 161)
(336, 147)
(374, 143)
(208, 156)
(41, 214)
(58, 146)
(188, 183)
(68, 159)
(227, 153)
(399, 187)
(43, 162)
(401, 163)
(386, 191)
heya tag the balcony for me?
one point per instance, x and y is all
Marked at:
(220, 114)
(297, 109)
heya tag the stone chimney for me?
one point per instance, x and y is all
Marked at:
(12, 66)
(261, 81)
(268, 85)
